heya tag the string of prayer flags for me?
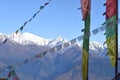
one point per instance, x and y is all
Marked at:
(73, 41)
(52, 50)
(95, 31)
(43, 53)
(26, 61)
(25, 23)
(32, 59)
(5, 41)
(16, 31)
(13, 74)
(15, 77)
(46, 3)
(30, 20)
(10, 67)
(41, 7)
(80, 38)
(87, 35)
(78, 8)
(9, 74)
(82, 30)
(37, 11)
(38, 56)
(34, 16)
(102, 28)
(21, 28)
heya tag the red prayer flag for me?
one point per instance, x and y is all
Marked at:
(9, 74)
(85, 5)
(15, 78)
(111, 8)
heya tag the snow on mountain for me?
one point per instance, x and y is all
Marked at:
(2, 37)
(56, 42)
(97, 48)
(94, 45)
(60, 65)
(28, 38)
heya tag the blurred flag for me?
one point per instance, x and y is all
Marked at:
(46, 3)
(111, 34)
(95, 31)
(80, 38)
(41, 7)
(52, 50)
(21, 28)
(73, 41)
(5, 41)
(85, 7)
(16, 31)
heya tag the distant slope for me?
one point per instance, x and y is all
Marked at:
(60, 65)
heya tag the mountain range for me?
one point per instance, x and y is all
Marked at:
(64, 64)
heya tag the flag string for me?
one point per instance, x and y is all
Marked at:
(29, 20)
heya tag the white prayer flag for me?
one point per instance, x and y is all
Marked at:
(95, 31)
(80, 38)
(103, 27)
(73, 41)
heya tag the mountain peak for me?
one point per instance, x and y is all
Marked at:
(59, 38)
(28, 38)
(95, 44)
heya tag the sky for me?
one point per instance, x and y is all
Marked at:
(59, 18)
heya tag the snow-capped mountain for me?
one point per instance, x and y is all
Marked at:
(97, 49)
(29, 38)
(59, 65)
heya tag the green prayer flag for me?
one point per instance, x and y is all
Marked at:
(85, 50)
(111, 38)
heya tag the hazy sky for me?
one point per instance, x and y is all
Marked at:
(59, 18)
